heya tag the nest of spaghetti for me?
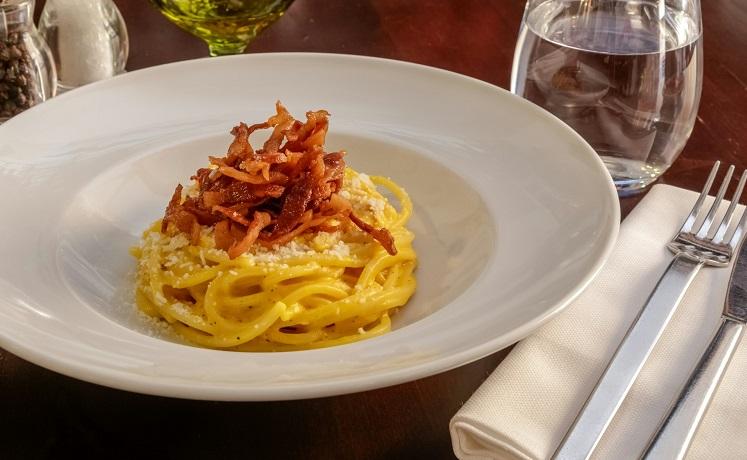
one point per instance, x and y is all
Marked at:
(270, 195)
(280, 248)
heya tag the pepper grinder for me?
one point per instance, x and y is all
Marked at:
(88, 39)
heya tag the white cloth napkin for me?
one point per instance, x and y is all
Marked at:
(527, 404)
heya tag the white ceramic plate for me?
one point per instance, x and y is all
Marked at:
(514, 215)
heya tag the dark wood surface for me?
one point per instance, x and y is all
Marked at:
(47, 415)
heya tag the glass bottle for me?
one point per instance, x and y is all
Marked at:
(27, 71)
(88, 39)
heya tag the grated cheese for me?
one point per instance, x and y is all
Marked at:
(376, 205)
(365, 179)
(175, 242)
(180, 308)
(159, 297)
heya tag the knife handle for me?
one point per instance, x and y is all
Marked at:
(613, 386)
(674, 435)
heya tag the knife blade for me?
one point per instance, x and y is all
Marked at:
(736, 298)
(677, 429)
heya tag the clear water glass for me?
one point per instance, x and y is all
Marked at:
(625, 74)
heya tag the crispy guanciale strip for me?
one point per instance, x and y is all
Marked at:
(202, 176)
(241, 193)
(281, 121)
(274, 176)
(301, 196)
(172, 207)
(294, 206)
(381, 235)
(269, 190)
(204, 216)
(228, 234)
(307, 221)
(231, 214)
(240, 147)
(223, 237)
(178, 216)
(310, 134)
(213, 198)
(260, 221)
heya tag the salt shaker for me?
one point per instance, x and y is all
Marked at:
(88, 39)
(27, 73)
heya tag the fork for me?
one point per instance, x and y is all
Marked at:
(693, 248)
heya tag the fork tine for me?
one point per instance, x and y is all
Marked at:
(706, 225)
(687, 226)
(721, 232)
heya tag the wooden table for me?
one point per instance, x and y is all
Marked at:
(44, 414)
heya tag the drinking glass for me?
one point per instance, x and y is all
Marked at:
(226, 25)
(625, 74)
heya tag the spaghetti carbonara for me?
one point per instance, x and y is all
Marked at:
(336, 280)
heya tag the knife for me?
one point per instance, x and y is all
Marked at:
(676, 431)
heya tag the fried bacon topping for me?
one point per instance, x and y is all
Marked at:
(269, 196)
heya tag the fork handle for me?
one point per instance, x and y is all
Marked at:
(676, 431)
(613, 386)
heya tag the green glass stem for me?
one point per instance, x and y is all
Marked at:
(224, 48)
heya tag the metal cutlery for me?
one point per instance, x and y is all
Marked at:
(692, 248)
(674, 435)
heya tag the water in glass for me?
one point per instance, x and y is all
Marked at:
(626, 75)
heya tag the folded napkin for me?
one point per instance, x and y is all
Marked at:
(525, 407)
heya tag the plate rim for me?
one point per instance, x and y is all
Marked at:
(207, 390)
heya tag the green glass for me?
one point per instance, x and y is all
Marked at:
(226, 25)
